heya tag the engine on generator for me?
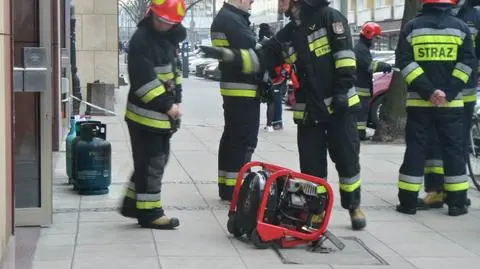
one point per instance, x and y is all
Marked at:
(301, 203)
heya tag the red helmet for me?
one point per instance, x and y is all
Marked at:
(453, 2)
(370, 30)
(169, 11)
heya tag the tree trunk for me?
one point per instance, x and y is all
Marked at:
(392, 120)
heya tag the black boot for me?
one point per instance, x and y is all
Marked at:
(457, 203)
(408, 202)
(161, 223)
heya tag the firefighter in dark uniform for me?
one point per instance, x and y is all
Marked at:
(365, 68)
(318, 41)
(153, 110)
(436, 56)
(241, 105)
(434, 171)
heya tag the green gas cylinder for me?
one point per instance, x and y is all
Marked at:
(93, 162)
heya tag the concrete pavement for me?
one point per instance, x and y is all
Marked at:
(89, 233)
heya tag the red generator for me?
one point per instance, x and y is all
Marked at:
(276, 205)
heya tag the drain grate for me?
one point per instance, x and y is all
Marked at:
(356, 252)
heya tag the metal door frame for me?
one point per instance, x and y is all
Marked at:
(43, 215)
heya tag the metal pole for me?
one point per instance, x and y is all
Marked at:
(214, 12)
(344, 7)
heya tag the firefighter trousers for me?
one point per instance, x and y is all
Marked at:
(434, 164)
(339, 136)
(449, 127)
(238, 141)
(362, 114)
(150, 153)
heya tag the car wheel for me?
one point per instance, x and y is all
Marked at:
(374, 113)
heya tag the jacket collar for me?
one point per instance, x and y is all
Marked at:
(236, 10)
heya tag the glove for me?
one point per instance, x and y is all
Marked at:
(385, 68)
(340, 104)
(221, 54)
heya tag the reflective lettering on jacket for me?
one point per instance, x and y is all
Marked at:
(353, 99)
(318, 42)
(414, 100)
(435, 44)
(147, 117)
(219, 39)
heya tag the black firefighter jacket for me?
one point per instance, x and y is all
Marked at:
(231, 29)
(155, 81)
(435, 51)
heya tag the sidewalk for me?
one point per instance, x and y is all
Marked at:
(88, 233)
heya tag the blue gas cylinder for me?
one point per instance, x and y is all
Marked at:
(93, 162)
(71, 161)
(68, 147)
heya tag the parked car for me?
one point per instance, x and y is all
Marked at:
(201, 66)
(211, 71)
(192, 67)
(381, 84)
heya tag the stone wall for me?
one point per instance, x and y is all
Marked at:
(97, 41)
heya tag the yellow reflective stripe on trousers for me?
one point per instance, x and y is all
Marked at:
(410, 183)
(219, 39)
(150, 91)
(411, 72)
(469, 95)
(147, 201)
(456, 183)
(462, 72)
(227, 178)
(361, 125)
(350, 184)
(147, 117)
(298, 111)
(414, 100)
(363, 92)
(344, 58)
(238, 89)
(353, 99)
(130, 193)
(434, 166)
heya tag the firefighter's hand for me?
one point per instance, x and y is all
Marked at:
(175, 112)
(340, 104)
(438, 98)
(386, 68)
(221, 54)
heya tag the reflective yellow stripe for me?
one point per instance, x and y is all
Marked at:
(413, 75)
(361, 125)
(436, 39)
(434, 170)
(318, 43)
(298, 115)
(166, 76)
(409, 186)
(131, 194)
(152, 94)
(231, 182)
(238, 93)
(350, 187)
(456, 186)
(364, 92)
(291, 59)
(424, 103)
(178, 80)
(460, 75)
(470, 98)
(220, 43)
(145, 205)
(247, 65)
(147, 118)
(345, 63)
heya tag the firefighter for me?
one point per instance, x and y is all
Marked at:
(153, 109)
(365, 67)
(241, 104)
(434, 163)
(436, 56)
(317, 41)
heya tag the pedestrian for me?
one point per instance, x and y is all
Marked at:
(435, 53)
(153, 109)
(241, 104)
(318, 41)
(366, 66)
(434, 172)
(264, 34)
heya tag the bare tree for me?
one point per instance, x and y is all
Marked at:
(392, 121)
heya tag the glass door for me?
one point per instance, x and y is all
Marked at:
(32, 147)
